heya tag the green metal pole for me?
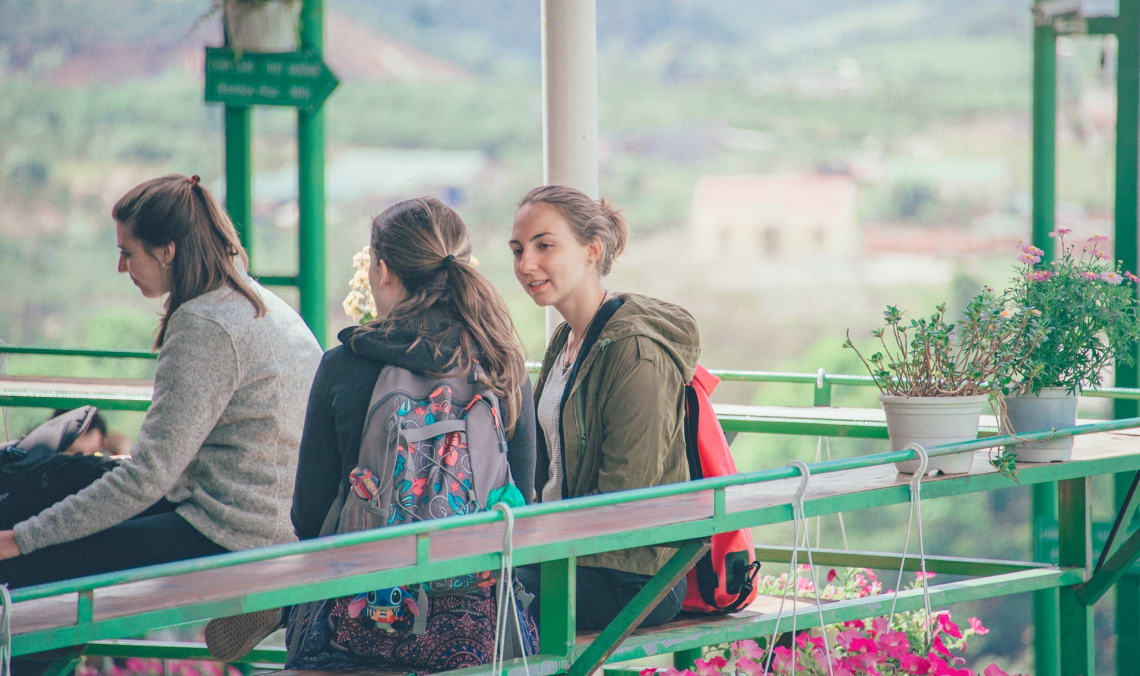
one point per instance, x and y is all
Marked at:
(1044, 133)
(311, 187)
(239, 173)
(1127, 128)
(1046, 624)
(1074, 537)
(1046, 635)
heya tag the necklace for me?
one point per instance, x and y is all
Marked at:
(571, 351)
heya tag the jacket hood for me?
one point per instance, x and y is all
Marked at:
(670, 326)
(396, 342)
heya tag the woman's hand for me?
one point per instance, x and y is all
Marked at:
(8, 547)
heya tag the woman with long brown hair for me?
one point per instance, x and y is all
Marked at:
(213, 467)
(611, 391)
(440, 324)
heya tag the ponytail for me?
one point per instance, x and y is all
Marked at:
(425, 244)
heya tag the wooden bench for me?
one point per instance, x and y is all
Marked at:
(123, 604)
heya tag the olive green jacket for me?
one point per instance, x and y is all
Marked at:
(623, 415)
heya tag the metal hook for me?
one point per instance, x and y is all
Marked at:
(819, 379)
(923, 462)
(805, 476)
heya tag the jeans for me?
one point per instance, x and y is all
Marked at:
(158, 535)
(602, 593)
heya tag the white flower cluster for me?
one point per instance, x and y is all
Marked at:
(358, 304)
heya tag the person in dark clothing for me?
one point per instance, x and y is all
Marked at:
(436, 314)
(610, 396)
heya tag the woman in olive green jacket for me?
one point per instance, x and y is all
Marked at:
(610, 396)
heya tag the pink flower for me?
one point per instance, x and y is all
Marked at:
(1038, 275)
(1111, 277)
(1096, 238)
(947, 626)
(648, 671)
(976, 625)
(1090, 275)
(711, 666)
(1060, 232)
(913, 664)
(1131, 277)
(994, 670)
(918, 574)
(844, 638)
(781, 657)
(937, 646)
(751, 667)
(831, 574)
(855, 624)
(1099, 254)
(1029, 259)
(878, 626)
(864, 645)
(894, 644)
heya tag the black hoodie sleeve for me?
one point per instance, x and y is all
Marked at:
(521, 447)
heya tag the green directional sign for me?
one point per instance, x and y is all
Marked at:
(297, 79)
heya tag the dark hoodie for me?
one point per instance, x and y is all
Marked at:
(338, 401)
(622, 415)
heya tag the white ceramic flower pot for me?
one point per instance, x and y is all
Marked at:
(930, 421)
(262, 26)
(1053, 408)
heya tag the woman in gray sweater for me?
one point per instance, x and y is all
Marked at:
(213, 467)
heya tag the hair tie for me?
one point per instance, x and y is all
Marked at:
(446, 259)
(195, 179)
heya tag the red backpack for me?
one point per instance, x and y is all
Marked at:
(723, 581)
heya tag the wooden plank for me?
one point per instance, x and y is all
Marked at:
(587, 523)
(217, 584)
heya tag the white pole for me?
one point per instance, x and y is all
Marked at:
(569, 100)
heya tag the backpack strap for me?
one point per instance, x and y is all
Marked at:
(414, 434)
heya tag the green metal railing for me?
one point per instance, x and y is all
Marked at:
(559, 651)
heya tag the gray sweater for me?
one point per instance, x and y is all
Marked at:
(221, 436)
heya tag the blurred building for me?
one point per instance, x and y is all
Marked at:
(761, 216)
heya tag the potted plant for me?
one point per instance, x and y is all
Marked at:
(1090, 315)
(260, 25)
(934, 376)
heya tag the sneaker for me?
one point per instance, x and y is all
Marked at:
(231, 638)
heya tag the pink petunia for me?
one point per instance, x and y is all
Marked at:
(878, 626)
(864, 645)
(844, 638)
(947, 626)
(750, 667)
(781, 657)
(994, 670)
(648, 671)
(918, 574)
(937, 646)
(855, 624)
(913, 664)
(711, 666)
(976, 625)
(831, 575)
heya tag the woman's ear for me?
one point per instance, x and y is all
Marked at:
(166, 254)
(594, 250)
